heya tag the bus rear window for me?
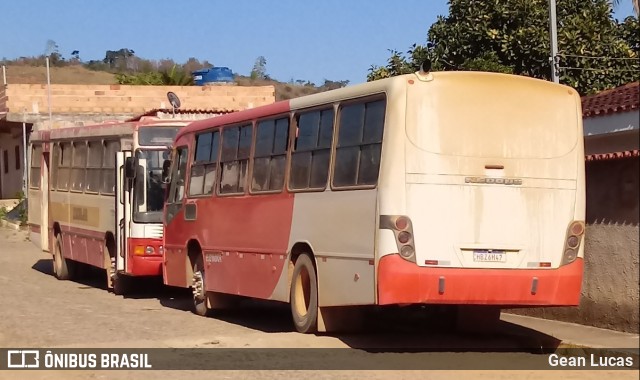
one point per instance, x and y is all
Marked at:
(157, 136)
(494, 118)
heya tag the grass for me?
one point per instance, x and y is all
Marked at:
(76, 74)
(59, 75)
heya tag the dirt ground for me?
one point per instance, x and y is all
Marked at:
(37, 310)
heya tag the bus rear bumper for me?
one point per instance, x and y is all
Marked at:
(402, 282)
(146, 266)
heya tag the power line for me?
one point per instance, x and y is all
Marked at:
(591, 69)
(596, 57)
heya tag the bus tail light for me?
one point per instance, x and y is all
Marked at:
(403, 231)
(573, 239)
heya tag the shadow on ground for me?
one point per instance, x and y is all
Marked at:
(386, 329)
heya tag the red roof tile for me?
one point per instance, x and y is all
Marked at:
(613, 155)
(155, 112)
(620, 99)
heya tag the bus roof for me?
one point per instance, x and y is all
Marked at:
(111, 128)
(369, 88)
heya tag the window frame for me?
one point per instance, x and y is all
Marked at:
(240, 126)
(5, 161)
(175, 167)
(73, 166)
(287, 153)
(292, 135)
(60, 161)
(337, 126)
(34, 154)
(89, 169)
(18, 156)
(113, 168)
(204, 164)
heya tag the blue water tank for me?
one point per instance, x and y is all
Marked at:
(212, 75)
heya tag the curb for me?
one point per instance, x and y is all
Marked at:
(10, 225)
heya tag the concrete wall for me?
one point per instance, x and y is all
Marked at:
(610, 287)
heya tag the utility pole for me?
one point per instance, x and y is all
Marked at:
(553, 33)
(49, 93)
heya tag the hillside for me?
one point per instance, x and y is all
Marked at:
(77, 74)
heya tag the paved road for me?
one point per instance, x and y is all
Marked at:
(37, 310)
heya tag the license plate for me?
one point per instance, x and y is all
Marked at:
(489, 256)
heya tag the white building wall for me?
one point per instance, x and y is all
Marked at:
(10, 173)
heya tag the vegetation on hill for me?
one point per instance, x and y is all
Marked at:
(124, 67)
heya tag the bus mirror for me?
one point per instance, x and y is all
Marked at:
(129, 167)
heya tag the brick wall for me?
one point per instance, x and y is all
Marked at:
(17, 99)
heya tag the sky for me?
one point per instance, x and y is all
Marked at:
(301, 40)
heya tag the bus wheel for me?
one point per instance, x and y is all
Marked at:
(62, 268)
(304, 295)
(200, 306)
(120, 284)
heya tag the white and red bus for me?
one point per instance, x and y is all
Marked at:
(96, 197)
(447, 188)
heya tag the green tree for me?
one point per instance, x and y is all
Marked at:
(513, 36)
(259, 70)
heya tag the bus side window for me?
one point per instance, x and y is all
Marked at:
(176, 191)
(359, 145)
(78, 175)
(108, 167)
(64, 166)
(270, 155)
(312, 150)
(94, 166)
(36, 157)
(205, 166)
(236, 147)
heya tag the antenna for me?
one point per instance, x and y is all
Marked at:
(174, 100)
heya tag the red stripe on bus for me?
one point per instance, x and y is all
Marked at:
(401, 281)
(236, 117)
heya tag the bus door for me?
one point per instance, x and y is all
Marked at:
(123, 211)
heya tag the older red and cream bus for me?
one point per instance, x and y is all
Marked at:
(446, 188)
(96, 195)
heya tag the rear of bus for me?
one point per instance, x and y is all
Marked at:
(144, 243)
(484, 202)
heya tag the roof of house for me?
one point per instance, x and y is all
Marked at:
(202, 112)
(620, 99)
(612, 155)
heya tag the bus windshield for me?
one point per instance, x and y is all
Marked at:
(148, 186)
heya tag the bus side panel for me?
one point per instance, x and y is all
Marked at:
(339, 226)
(244, 242)
(84, 220)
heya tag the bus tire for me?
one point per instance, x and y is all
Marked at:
(116, 282)
(120, 284)
(62, 268)
(200, 304)
(304, 295)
